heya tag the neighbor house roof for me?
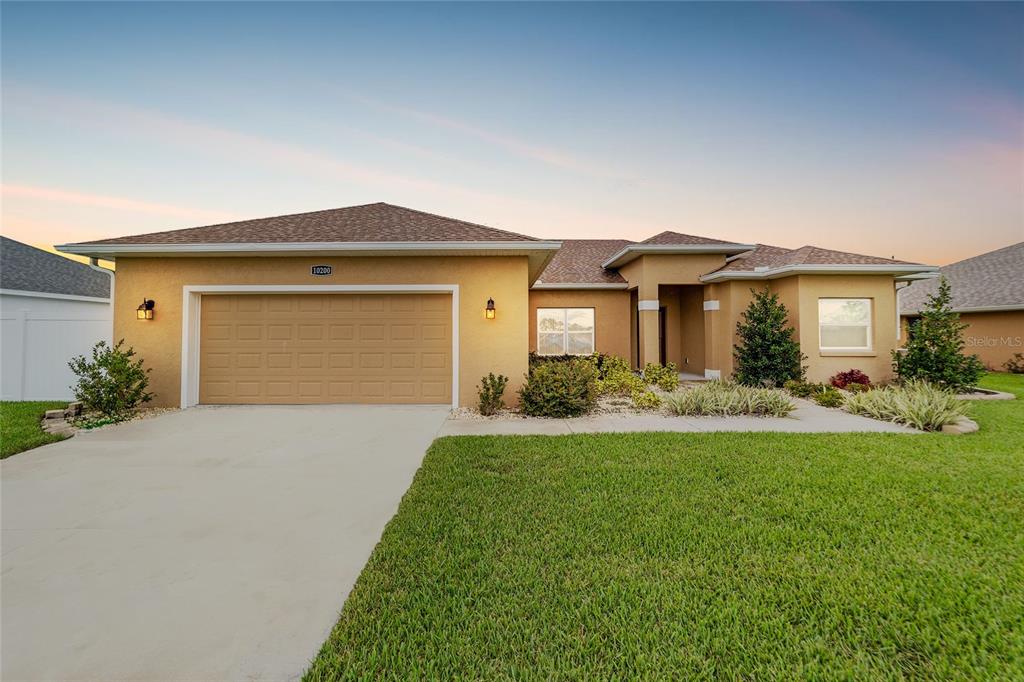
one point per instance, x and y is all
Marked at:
(378, 222)
(579, 262)
(26, 268)
(991, 281)
(669, 238)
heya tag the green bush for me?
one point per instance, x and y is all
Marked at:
(1015, 364)
(828, 396)
(719, 398)
(110, 382)
(801, 389)
(665, 377)
(935, 347)
(536, 360)
(615, 377)
(915, 403)
(559, 389)
(645, 400)
(767, 353)
(491, 389)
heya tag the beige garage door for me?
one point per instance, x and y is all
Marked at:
(325, 348)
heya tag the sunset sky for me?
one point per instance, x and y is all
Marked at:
(889, 129)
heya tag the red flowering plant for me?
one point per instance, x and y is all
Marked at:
(853, 376)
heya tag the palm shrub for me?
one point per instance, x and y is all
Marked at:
(490, 391)
(559, 389)
(110, 381)
(916, 403)
(935, 347)
(767, 353)
(723, 399)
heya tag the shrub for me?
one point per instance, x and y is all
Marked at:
(801, 389)
(829, 396)
(598, 359)
(1015, 364)
(767, 353)
(490, 391)
(110, 381)
(617, 378)
(858, 388)
(915, 403)
(935, 347)
(645, 400)
(852, 376)
(664, 377)
(559, 389)
(718, 398)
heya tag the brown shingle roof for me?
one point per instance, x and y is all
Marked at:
(668, 237)
(378, 222)
(766, 256)
(579, 262)
(992, 279)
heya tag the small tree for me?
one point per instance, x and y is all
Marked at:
(935, 346)
(110, 382)
(767, 353)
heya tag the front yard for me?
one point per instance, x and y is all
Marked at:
(701, 555)
(19, 425)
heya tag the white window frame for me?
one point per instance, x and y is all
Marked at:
(566, 332)
(870, 325)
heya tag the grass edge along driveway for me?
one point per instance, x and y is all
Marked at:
(701, 555)
(19, 425)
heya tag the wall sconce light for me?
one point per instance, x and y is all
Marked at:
(145, 311)
(489, 310)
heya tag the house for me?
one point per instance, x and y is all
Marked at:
(51, 309)
(384, 304)
(988, 292)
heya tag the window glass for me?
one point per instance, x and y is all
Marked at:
(845, 323)
(565, 331)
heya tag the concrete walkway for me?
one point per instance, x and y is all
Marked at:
(807, 418)
(208, 544)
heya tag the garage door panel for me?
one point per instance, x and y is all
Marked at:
(313, 348)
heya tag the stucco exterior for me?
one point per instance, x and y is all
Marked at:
(992, 336)
(497, 345)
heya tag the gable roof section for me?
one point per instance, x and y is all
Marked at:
(991, 281)
(579, 262)
(26, 268)
(769, 262)
(378, 222)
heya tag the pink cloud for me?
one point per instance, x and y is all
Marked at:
(51, 194)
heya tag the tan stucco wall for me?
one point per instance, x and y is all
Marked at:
(499, 345)
(611, 315)
(684, 322)
(800, 295)
(994, 337)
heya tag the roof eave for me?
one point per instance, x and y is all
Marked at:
(610, 286)
(897, 270)
(1011, 307)
(634, 251)
(111, 251)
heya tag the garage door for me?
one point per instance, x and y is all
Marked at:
(325, 348)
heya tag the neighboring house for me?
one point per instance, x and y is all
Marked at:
(988, 292)
(383, 304)
(51, 309)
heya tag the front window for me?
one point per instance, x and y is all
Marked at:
(565, 331)
(844, 323)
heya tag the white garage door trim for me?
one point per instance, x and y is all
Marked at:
(190, 307)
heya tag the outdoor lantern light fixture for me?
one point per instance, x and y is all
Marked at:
(489, 310)
(145, 311)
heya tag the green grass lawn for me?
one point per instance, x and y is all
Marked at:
(765, 556)
(19, 425)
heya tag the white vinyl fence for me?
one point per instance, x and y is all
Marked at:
(39, 333)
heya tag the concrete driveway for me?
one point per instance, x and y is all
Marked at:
(212, 543)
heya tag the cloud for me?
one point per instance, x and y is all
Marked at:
(52, 194)
(522, 148)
